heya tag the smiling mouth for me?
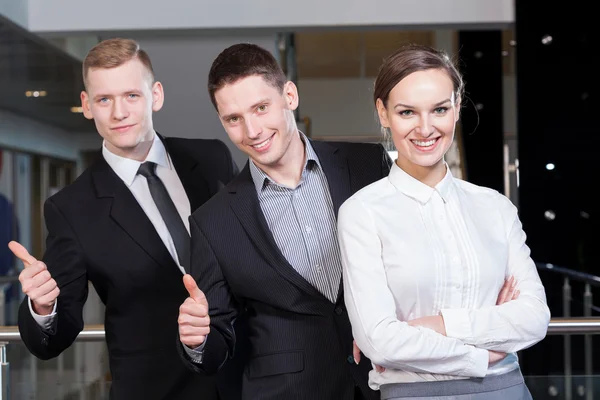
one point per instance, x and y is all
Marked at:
(263, 144)
(425, 144)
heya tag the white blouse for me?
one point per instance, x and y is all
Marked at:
(409, 251)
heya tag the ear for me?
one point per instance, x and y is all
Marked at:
(158, 96)
(85, 105)
(290, 94)
(457, 109)
(382, 113)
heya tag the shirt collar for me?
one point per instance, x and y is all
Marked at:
(416, 189)
(127, 169)
(261, 179)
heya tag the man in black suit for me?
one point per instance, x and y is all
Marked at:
(123, 226)
(267, 244)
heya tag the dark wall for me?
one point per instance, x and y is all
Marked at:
(480, 55)
(558, 101)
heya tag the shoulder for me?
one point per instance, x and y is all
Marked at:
(212, 156)
(353, 149)
(81, 189)
(486, 197)
(218, 206)
(367, 198)
(204, 147)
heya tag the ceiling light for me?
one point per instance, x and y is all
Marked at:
(36, 93)
(77, 110)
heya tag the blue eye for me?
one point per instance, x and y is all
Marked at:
(441, 110)
(406, 113)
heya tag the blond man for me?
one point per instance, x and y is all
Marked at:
(123, 226)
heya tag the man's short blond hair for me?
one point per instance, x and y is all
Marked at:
(113, 53)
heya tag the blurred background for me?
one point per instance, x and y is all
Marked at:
(527, 129)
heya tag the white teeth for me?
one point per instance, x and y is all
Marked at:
(263, 144)
(422, 143)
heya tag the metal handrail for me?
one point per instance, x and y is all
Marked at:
(577, 275)
(558, 326)
(574, 326)
(90, 333)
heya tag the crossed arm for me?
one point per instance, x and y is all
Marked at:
(467, 340)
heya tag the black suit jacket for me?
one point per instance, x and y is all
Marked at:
(300, 342)
(98, 232)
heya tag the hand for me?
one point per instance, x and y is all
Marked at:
(355, 352)
(194, 322)
(433, 322)
(36, 281)
(508, 292)
(495, 356)
(356, 355)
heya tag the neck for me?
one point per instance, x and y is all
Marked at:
(138, 153)
(288, 170)
(430, 176)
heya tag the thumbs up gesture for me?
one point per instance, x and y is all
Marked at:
(36, 281)
(194, 322)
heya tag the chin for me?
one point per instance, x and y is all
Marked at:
(429, 162)
(267, 159)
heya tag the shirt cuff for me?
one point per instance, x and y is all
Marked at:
(46, 322)
(457, 323)
(196, 354)
(479, 363)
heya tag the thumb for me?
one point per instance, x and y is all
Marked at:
(192, 288)
(21, 253)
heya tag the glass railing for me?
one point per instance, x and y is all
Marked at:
(73, 376)
(561, 387)
(80, 372)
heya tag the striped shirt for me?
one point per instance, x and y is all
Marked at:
(303, 223)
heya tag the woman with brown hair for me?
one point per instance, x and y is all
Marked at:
(425, 255)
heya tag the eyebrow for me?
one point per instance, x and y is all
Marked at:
(252, 107)
(435, 105)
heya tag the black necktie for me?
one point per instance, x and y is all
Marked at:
(168, 211)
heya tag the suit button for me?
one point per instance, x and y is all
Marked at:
(45, 341)
(338, 310)
(350, 359)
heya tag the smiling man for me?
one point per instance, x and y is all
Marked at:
(267, 244)
(123, 226)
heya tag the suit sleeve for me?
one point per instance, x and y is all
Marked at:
(66, 264)
(205, 269)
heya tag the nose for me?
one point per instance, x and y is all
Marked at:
(119, 111)
(253, 127)
(424, 127)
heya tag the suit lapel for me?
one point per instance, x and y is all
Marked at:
(245, 205)
(191, 175)
(128, 214)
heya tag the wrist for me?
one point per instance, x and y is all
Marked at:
(42, 309)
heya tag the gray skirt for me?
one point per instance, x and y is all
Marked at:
(509, 386)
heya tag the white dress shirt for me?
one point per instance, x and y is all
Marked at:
(409, 251)
(127, 169)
